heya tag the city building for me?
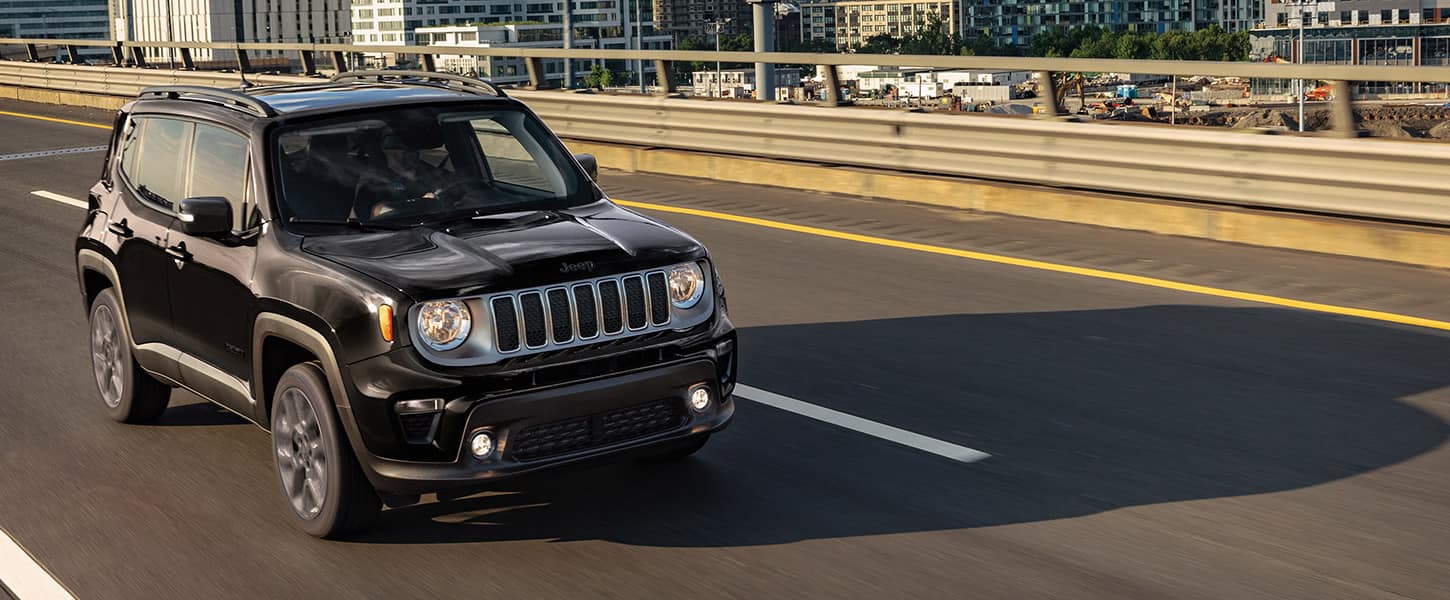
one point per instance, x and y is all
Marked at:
(264, 21)
(739, 83)
(933, 83)
(849, 23)
(694, 18)
(514, 35)
(606, 24)
(86, 19)
(1362, 32)
(1014, 22)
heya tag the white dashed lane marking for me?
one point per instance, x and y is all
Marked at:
(854, 423)
(23, 577)
(45, 153)
(60, 198)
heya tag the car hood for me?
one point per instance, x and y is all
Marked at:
(508, 251)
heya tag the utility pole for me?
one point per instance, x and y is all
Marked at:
(639, 44)
(568, 43)
(170, 37)
(1299, 58)
(719, 83)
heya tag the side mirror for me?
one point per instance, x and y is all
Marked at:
(590, 164)
(205, 216)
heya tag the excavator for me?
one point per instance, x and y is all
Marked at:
(1060, 84)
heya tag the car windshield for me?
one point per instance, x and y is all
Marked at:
(419, 165)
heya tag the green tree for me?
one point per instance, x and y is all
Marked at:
(882, 43)
(600, 77)
(934, 37)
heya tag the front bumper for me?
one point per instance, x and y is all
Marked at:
(507, 416)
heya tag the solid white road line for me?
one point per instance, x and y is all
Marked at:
(61, 199)
(24, 577)
(858, 424)
(805, 409)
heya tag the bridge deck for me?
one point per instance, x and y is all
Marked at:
(1146, 441)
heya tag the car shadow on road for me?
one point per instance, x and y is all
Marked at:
(1083, 412)
(196, 413)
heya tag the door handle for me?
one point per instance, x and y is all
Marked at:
(179, 252)
(121, 229)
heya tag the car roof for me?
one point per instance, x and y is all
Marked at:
(320, 98)
(328, 97)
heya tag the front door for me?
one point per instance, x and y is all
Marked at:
(213, 306)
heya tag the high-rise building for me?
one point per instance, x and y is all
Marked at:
(1014, 22)
(395, 22)
(849, 23)
(508, 69)
(604, 24)
(265, 21)
(75, 19)
(694, 18)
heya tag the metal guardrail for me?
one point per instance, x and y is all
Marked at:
(1403, 181)
(1001, 63)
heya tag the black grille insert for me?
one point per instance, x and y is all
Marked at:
(561, 317)
(609, 300)
(659, 300)
(634, 299)
(588, 312)
(580, 433)
(506, 324)
(533, 307)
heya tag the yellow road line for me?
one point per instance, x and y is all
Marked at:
(1054, 267)
(53, 120)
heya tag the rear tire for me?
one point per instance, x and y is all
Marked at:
(128, 393)
(325, 490)
(678, 450)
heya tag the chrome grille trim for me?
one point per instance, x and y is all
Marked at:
(597, 306)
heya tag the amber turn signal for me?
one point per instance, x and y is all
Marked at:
(385, 322)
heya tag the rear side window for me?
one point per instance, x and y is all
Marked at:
(155, 159)
(219, 168)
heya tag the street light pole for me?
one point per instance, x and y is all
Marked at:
(719, 83)
(1299, 58)
(639, 44)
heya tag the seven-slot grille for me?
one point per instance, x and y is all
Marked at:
(540, 318)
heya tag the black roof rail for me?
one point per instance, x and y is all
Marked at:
(217, 95)
(468, 84)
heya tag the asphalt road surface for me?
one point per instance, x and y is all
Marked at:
(1144, 442)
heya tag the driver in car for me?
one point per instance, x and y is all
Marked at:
(407, 177)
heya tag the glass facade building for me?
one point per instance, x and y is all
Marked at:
(1356, 32)
(73, 19)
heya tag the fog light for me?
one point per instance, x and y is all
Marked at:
(481, 445)
(700, 397)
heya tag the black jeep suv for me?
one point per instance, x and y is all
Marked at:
(405, 277)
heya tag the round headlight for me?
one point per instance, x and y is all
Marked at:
(444, 324)
(687, 284)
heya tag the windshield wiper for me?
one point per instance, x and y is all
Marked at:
(352, 222)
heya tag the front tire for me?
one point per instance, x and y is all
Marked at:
(129, 394)
(321, 481)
